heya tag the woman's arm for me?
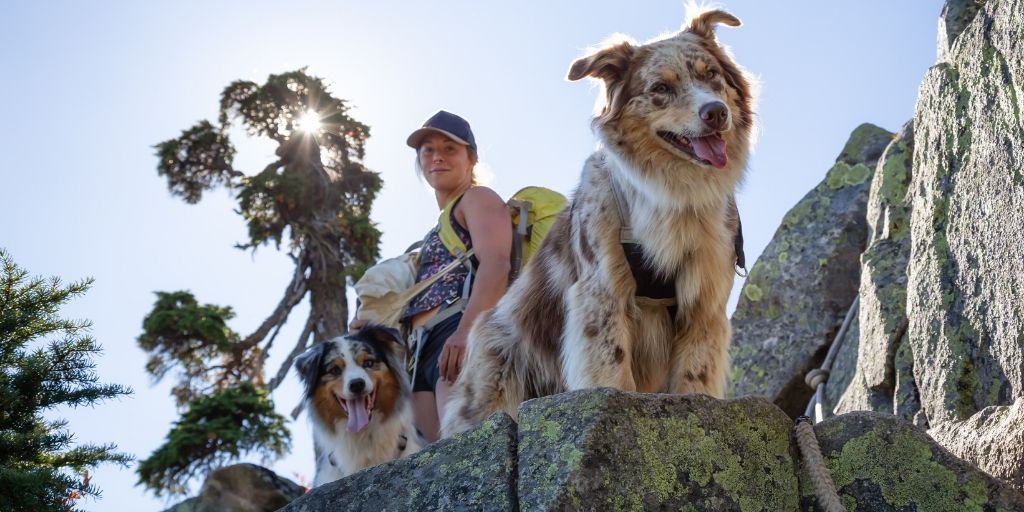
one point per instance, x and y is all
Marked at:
(486, 216)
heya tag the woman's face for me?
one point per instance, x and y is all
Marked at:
(445, 163)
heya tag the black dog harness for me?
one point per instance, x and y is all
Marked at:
(651, 285)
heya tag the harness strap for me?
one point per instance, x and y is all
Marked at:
(625, 229)
(648, 284)
(418, 336)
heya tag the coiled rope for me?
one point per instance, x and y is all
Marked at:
(803, 430)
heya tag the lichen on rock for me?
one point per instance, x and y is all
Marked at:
(609, 450)
(880, 463)
(798, 291)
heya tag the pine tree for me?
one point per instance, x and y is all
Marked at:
(315, 198)
(45, 361)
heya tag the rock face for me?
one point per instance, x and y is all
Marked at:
(940, 333)
(994, 437)
(242, 488)
(603, 449)
(965, 296)
(798, 292)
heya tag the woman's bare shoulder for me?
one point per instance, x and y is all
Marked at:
(479, 197)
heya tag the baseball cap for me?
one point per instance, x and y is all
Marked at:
(447, 124)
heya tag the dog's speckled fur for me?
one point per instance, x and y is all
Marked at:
(571, 320)
(374, 358)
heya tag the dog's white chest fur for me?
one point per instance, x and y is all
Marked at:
(345, 453)
(680, 243)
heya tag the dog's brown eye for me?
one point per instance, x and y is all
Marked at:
(369, 363)
(661, 88)
(334, 370)
(712, 74)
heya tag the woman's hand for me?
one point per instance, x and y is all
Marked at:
(356, 324)
(452, 356)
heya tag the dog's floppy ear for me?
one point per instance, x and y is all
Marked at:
(308, 365)
(609, 64)
(704, 23)
(387, 338)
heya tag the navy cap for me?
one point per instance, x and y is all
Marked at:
(447, 124)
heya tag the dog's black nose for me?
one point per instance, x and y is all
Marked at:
(715, 115)
(357, 385)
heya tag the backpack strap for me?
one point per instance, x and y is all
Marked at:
(446, 231)
(522, 231)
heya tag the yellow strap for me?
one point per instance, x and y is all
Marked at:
(446, 232)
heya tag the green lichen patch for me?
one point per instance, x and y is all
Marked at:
(881, 463)
(644, 452)
(753, 292)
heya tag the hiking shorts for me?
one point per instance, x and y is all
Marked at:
(427, 371)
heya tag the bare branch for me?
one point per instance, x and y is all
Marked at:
(300, 346)
(293, 294)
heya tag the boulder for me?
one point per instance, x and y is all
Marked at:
(241, 488)
(798, 292)
(610, 450)
(881, 463)
(939, 339)
(475, 470)
(604, 449)
(993, 437)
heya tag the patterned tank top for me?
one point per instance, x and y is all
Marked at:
(434, 256)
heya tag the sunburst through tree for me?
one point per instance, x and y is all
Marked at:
(314, 198)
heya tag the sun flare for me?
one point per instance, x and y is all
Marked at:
(309, 122)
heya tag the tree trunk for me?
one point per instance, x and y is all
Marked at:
(327, 287)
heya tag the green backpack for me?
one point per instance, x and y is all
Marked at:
(533, 210)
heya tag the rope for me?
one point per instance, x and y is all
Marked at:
(824, 488)
(817, 377)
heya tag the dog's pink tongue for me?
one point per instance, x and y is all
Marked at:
(712, 149)
(358, 416)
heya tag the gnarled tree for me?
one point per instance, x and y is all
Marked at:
(315, 198)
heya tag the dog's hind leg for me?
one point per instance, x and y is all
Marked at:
(596, 346)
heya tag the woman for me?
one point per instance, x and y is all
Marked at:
(441, 316)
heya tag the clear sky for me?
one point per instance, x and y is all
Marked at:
(89, 87)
